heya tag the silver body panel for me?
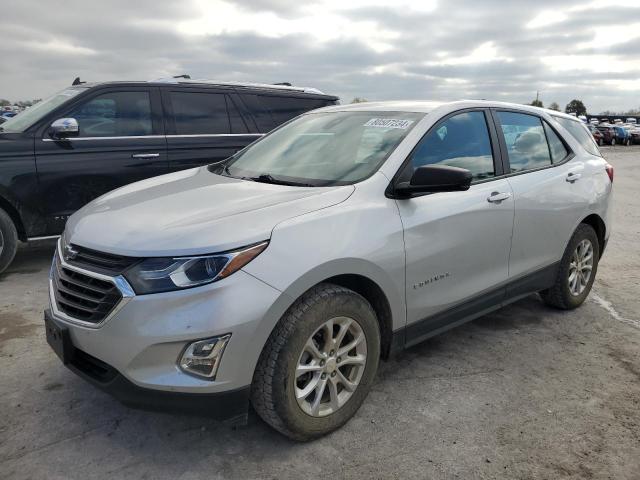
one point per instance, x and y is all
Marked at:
(427, 254)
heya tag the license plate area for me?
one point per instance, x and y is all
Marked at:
(58, 338)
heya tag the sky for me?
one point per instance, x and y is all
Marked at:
(378, 49)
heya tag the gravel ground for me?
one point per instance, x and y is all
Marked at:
(527, 392)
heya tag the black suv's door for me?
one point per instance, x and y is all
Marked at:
(121, 140)
(204, 125)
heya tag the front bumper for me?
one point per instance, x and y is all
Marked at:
(142, 341)
(230, 406)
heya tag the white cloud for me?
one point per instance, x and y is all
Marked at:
(484, 53)
(547, 18)
(608, 36)
(590, 63)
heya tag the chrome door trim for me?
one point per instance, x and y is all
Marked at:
(218, 135)
(76, 139)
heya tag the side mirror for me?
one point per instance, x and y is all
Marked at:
(64, 128)
(435, 178)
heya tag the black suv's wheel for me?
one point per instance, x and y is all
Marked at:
(8, 240)
(318, 365)
(577, 270)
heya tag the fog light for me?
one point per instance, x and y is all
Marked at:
(202, 358)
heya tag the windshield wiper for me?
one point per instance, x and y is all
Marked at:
(267, 178)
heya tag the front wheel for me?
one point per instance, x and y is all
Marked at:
(8, 240)
(319, 363)
(576, 272)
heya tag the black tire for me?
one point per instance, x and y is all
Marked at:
(273, 388)
(559, 295)
(613, 142)
(8, 240)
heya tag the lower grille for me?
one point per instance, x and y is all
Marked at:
(81, 296)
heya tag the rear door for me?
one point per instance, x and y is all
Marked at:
(204, 125)
(121, 140)
(548, 187)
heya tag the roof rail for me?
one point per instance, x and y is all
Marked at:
(276, 86)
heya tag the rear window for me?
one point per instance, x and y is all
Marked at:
(283, 109)
(581, 134)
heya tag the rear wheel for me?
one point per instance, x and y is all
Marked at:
(319, 363)
(8, 240)
(577, 270)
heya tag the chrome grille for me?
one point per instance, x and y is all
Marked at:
(81, 296)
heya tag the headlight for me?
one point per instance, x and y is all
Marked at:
(155, 275)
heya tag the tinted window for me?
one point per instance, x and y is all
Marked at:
(235, 119)
(558, 151)
(200, 113)
(115, 114)
(526, 141)
(460, 141)
(580, 133)
(283, 109)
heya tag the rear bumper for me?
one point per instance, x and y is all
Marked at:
(230, 405)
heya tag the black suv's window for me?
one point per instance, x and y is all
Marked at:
(460, 141)
(526, 141)
(580, 133)
(115, 114)
(284, 109)
(197, 113)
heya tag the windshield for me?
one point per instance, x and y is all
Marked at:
(31, 115)
(321, 149)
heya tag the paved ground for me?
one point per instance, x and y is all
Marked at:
(525, 393)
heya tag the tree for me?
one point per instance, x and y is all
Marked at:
(537, 103)
(577, 107)
(359, 100)
(4, 102)
(554, 106)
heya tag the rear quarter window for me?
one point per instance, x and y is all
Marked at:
(580, 132)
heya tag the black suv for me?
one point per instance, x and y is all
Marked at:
(91, 138)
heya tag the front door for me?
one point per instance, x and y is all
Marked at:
(120, 141)
(457, 243)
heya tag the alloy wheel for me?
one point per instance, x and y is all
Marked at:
(330, 366)
(580, 267)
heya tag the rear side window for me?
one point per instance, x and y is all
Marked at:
(460, 141)
(283, 109)
(580, 133)
(558, 151)
(526, 141)
(198, 113)
(115, 114)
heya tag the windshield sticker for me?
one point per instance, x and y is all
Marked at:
(442, 132)
(388, 123)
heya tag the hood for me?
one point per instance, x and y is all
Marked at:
(192, 212)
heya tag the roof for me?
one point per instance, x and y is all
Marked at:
(182, 81)
(421, 106)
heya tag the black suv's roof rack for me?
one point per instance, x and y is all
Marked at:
(279, 86)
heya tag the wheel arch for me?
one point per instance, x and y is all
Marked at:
(375, 295)
(13, 213)
(597, 223)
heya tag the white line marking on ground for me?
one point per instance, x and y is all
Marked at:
(608, 306)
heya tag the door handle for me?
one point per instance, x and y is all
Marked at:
(497, 197)
(573, 176)
(145, 155)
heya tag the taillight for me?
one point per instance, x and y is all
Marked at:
(609, 169)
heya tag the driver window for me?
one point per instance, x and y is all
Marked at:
(460, 141)
(115, 114)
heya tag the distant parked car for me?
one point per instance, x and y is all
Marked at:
(608, 134)
(634, 132)
(2, 120)
(8, 114)
(597, 135)
(622, 135)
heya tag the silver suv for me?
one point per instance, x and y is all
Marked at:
(282, 275)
